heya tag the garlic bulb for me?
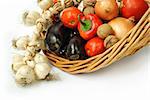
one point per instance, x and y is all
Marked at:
(45, 4)
(17, 58)
(41, 44)
(17, 62)
(35, 36)
(59, 6)
(37, 43)
(25, 75)
(47, 14)
(42, 70)
(17, 65)
(33, 50)
(31, 63)
(30, 17)
(22, 42)
(28, 56)
(41, 25)
(39, 58)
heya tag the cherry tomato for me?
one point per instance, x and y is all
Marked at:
(134, 8)
(69, 17)
(94, 46)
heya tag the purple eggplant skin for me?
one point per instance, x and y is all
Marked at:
(75, 49)
(65, 42)
(63, 48)
(56, 37)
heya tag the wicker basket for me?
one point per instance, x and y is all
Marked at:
(137, 38)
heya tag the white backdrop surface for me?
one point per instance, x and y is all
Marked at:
(128, 79)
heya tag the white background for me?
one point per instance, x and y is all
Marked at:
(128, 79)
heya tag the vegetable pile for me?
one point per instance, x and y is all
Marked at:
(75, 30)
(88, 31)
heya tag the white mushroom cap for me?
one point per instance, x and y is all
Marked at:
(42, 70)
(25, 75)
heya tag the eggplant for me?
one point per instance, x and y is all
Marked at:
(67, 36)
(73, 33)
(56, 37)
(65, 42)
(75, 50)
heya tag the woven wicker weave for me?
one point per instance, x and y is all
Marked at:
(134, 40)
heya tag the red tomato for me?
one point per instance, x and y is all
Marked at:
(69, 17)
(94, 46)
(134, 8)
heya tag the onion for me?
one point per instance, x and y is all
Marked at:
(121, 26)
(106, 9)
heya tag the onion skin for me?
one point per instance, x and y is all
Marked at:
(106, 9)
(121, 26)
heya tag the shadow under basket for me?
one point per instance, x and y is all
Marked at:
(135, 39)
